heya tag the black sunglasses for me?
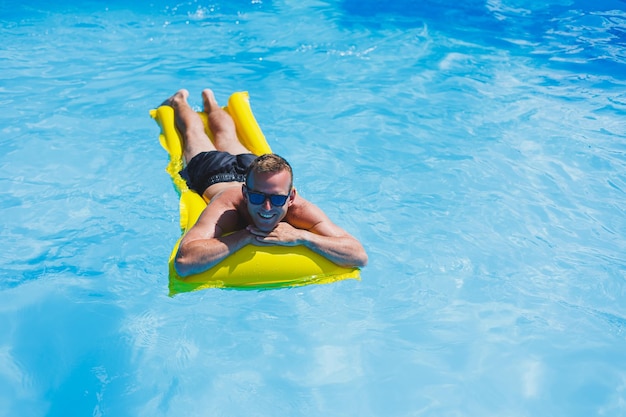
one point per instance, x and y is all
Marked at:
(257, 198)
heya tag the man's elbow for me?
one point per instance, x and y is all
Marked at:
(357, 258)
(181, 270)
(362, 259)
(186, 265)
(182, 266)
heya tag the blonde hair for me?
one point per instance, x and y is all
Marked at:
(269, 163)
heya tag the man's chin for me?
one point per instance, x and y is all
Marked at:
(265, 226)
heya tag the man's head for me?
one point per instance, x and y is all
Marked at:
(269, 190)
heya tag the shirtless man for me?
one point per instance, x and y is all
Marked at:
(252, 197)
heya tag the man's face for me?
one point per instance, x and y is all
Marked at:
(266, 215)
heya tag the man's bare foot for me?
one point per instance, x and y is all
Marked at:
(210, 103)
(180, 97)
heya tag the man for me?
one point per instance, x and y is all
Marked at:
(251, 200)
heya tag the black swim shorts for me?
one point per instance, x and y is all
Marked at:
(208, 168)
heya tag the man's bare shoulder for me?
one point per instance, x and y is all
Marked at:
(224, 211)
(308, 216)
(305, 215)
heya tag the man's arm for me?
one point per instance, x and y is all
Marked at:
(309, 226)
(203, 246)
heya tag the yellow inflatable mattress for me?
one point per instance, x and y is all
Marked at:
(252, 267)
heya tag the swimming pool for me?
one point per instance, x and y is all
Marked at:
(478, 151)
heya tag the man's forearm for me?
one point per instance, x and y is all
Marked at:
(343, 250)
(198, 255)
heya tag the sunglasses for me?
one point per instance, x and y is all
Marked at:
(257, 198)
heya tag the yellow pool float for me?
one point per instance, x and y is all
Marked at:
(252, 267)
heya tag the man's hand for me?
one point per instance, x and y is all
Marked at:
(283, 234)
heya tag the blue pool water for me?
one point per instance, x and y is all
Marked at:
(476, 148)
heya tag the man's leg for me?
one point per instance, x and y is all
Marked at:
(222, 126)
(190, 126)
